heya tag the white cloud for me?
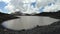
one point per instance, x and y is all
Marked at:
(52, 8)
(10, 8)
(25, 8)
(6, 1)
(19, 4)
(1, 10)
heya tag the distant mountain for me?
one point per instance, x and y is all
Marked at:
(17, 13)
(50, 14)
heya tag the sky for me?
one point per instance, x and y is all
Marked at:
(2, 5)
(29, 6)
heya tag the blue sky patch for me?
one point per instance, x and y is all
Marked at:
(33, 4)
(2, 5)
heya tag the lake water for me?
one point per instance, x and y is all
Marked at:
(28, 22)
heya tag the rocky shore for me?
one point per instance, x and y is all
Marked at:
(53, 28)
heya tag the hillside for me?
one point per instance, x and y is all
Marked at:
(4, 17)
(50, 14)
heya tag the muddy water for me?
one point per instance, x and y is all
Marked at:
(28, 22)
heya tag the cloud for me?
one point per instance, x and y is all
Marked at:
(53, 8)
(6, 1)
(10, 8)
(25, 6)
(1, 10)
(3, 4)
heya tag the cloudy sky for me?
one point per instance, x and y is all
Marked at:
(29, 6)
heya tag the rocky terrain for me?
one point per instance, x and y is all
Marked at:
(53, 28)
(4, 17)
